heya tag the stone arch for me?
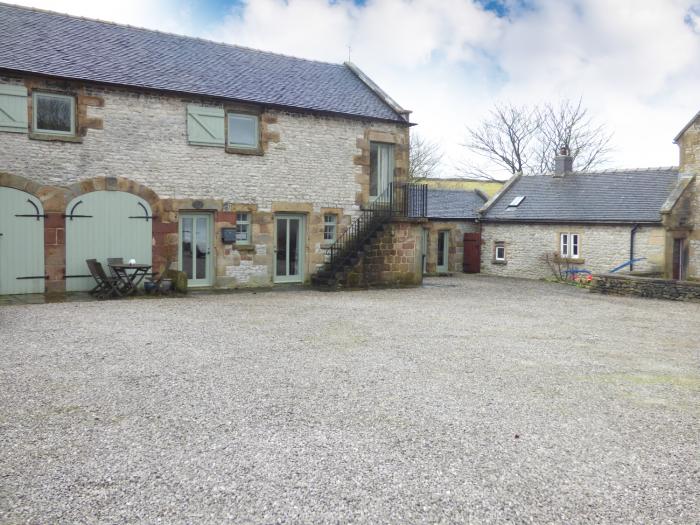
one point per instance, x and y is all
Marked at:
(116, 184)
(53, 198)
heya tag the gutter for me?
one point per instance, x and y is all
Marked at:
(198, 94)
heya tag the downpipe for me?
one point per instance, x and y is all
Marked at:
(633, 232)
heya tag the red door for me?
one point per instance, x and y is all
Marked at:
(472, 253)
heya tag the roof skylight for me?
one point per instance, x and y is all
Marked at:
(516, 201)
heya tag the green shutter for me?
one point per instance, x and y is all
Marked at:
(205, 126)
(13, 108)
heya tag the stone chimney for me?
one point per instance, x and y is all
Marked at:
(563, 163)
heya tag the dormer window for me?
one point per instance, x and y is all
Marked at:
(516, 201)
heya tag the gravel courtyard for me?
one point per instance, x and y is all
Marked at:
(471, 399)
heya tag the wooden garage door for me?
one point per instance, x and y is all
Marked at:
(21, 243)
(102, 225)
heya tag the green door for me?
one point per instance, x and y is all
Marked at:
(443, 248)
(195, 248)
(289, 248)
(102, 225)
(21, 243)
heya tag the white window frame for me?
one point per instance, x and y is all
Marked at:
(499, 246)
(246, 116)
(36, 129)
(333, 223)
(569, 245)
(243, 220)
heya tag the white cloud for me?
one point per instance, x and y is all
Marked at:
(634, 63)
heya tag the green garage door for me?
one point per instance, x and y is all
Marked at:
(21, 243)
(102, 225)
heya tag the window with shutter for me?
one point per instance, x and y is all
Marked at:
(205, 126)
(13, 109)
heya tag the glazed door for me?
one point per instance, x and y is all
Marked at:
(442, 251)
(289, 248)
(195, 248)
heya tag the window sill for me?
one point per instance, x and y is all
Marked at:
(55, 138)
(244, 151)
(571, 260)
(500, 263)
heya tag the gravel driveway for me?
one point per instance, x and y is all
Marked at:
(472, 399)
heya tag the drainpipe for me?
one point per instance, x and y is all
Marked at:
(633, 231)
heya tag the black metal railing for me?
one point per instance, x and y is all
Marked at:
(399, 200)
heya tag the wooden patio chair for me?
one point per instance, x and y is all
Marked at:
(106, 286)
(114, 260)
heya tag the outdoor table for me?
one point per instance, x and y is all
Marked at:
(130, 279)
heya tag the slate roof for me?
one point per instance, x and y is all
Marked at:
(625, 196)
(454, 204)
(54, 44)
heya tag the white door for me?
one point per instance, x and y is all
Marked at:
(443, 249)
(21, 243)
(289, 248)
(195, 248)
(381, 169)
(102, 225)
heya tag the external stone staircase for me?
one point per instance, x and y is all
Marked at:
(400, 201)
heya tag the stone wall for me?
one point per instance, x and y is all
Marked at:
(311, 165)
(394, 258)
(689, 151)
(601, 248)
(457, 230)
(614, 284)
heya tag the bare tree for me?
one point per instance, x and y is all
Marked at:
(504, 139)
(425, 157)
(525, 139)
(568, 124)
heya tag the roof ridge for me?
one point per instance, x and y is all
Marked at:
(167, 33)
(626, 170)
(609, 171)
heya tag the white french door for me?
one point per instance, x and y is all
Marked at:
(195, 255)
(289, 248)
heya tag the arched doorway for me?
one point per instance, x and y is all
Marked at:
(102, 225)
(21, 243)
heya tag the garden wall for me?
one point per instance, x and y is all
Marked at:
(646, 287)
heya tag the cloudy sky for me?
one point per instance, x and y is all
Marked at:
(634, 62)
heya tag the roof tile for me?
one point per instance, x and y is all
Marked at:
(64, 46)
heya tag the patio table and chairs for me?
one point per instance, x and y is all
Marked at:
(123, 280)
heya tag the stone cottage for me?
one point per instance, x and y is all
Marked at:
(681, 213)
(545, 225)
(236, 166)
(452, 224)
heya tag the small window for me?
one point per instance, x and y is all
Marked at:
(500, 252)
(53, 114)
(569, 245)
(243, 131)
(329, 227)
(516, 201)
(242, 228)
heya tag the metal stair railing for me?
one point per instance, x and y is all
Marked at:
(399, 200)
